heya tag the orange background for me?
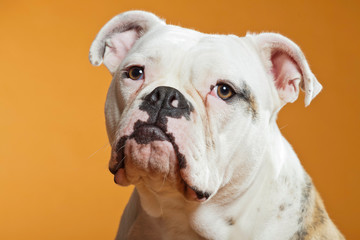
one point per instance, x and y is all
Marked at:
(54, 182)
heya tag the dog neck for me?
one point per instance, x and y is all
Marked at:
(270, 201)
(243, 213)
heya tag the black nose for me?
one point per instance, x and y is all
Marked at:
(166, 102)
(167, 98)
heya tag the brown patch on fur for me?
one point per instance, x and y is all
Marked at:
(282, 207)
(314, 222)
(230, 221)
(253, 106)
(247, 95)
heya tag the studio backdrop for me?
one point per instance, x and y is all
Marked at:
(54, 181)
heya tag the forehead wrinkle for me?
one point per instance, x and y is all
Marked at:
(166, 49)
(212, 59)
(225, 57)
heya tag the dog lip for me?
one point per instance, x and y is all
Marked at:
(115, 169)
(148, 133)
(143, 134)
(118, 151)
(198, 195)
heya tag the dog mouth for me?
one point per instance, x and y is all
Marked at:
(142, 135)
(147, 134)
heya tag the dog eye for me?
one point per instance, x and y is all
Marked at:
(224, 91)
(135, 73)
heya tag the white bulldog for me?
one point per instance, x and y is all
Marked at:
(191, 118)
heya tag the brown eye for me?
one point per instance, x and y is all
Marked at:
(135, 73)
(224, 91)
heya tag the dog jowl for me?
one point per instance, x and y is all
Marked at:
(191, 118)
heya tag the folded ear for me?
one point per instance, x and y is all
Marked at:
(117, 37)
(287, 64)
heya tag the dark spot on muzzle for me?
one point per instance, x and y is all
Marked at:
(161, 103)
(147, 133)
(120, 155)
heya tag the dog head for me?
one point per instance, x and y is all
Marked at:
(187, 113)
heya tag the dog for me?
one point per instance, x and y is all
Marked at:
(191, 118)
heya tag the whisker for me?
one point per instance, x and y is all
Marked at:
(121, 147)
(122, 159)
(284, 126)
(107, 144)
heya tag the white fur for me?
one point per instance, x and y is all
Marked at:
(244, 161)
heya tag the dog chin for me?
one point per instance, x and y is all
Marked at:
(155, 166)
(145, 155)
(150, 157)
(153, 160)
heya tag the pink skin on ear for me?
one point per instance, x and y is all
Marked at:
(287, 76)
(117, 47)
(289, 67)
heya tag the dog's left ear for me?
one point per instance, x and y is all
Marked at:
(118, 36)
(287, 64)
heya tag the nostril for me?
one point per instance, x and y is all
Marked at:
(174, 103)
(173, 100)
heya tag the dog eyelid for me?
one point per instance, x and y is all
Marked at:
(229, 83)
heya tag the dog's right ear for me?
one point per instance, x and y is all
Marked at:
(118, 35)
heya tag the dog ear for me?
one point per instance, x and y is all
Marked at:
(118, 35)
(287, 64)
